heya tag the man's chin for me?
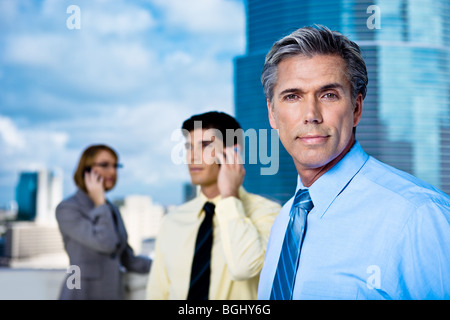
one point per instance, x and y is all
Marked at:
(195, 181)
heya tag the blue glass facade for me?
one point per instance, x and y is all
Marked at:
(26, 192)
(406, 115)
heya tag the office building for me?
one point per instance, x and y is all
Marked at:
(406, 113)
(37, 195)
(28, 241)
(34, 233)
(142, 218)
(26, 192)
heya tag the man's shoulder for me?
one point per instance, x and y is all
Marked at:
(256, 199)
(190, 206)
(402, 184)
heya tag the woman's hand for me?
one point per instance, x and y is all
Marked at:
(94, 186)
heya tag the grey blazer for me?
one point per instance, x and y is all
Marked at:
(98, 246)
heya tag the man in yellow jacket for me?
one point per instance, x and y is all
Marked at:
(241, 221)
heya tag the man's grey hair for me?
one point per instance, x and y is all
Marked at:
(317, 40)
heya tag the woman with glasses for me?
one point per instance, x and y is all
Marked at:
(94, 234)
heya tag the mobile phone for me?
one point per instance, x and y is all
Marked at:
(88, 169)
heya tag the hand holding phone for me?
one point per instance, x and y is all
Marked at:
(94, 186)
(231, 173)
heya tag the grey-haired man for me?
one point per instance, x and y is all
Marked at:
(358, 228)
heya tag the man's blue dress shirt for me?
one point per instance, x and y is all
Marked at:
(375, 232)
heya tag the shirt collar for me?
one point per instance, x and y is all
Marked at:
(202, 198)
(325, 189)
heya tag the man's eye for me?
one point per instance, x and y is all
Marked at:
(331, 96)
(291, 97)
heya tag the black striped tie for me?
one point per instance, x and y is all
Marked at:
(200, 273)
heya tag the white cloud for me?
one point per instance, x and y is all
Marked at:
(177, 59)
(119, 19)
(204, 16)
(39, 50)
(129, 77)
(92, 63)
(29, 148)
(11, 138)
(84, 63)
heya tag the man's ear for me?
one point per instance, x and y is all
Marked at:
(357, 112)
(271, 112)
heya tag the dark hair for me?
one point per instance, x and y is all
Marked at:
(87, 160)
(310, 41)
(230, 129)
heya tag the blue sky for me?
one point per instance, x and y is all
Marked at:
(129, 77)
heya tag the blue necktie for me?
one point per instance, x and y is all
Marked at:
(283, 283)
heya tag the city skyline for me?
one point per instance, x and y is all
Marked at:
(406, 113)
(127, 75)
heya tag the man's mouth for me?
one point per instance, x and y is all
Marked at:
(312, 139)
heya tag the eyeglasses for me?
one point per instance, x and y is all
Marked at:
(106, 165)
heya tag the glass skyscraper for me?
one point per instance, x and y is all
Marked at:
(37, 195)
(406, 113)
(26, 196)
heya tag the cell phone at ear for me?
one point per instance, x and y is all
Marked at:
(88, 169)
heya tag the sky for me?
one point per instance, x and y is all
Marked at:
(127, 75)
